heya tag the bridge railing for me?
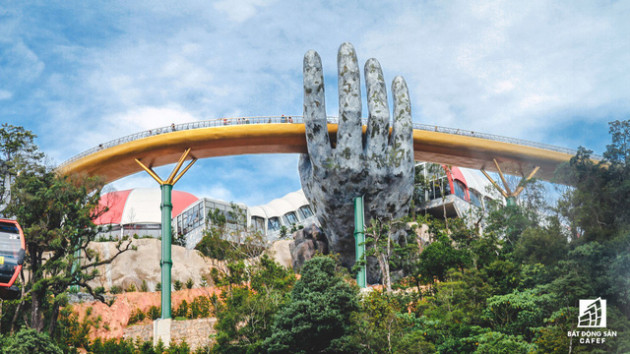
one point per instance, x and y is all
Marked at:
(299, 120)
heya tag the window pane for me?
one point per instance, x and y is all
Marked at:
(460, 189)
(306, 211)
(475, 197)
(273, 224)
(290, 218)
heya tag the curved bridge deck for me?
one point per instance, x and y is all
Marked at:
(264, 135)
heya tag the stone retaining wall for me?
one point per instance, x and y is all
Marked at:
(196, 332)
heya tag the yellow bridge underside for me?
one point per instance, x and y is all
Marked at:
(456, 150)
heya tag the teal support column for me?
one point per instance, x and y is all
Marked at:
(162, 326)
(166, 263)
(359, 240)
(511, 201)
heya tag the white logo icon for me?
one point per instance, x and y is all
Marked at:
(592, 313)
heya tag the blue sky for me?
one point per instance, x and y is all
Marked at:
(81, 73)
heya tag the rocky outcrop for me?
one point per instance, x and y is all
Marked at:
(378, 166)
(306, 243)
(280, 251)
(132, 267)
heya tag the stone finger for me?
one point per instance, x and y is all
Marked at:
(317, 140)
(401, 146)
(378, 121)
(305, 169)
(350, 134)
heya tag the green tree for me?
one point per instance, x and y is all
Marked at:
(56, 214)
(245, 314)
(381, 327)
(519, 312)
(545, 245)
(317, 317)
(497, 342)
(16, 149)
(439, 257)
(508, 223)
(380, 243)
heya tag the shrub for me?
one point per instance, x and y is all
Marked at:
(144, 287)
(136, 316)
(30, 341)
(182, 310)
(70, 332)
(112, 346)
(131, 288)
(189, 283)
(115, 289)
(154, 312)
(178, 285)
(200, 307)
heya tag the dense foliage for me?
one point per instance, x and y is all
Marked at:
(56, 214)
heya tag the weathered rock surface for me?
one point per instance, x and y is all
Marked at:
(132, 267)
(378, 166)
(280, 251)
(306, 243)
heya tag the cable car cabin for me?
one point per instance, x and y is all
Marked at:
(451, 191)
(12, 251)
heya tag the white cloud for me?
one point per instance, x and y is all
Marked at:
(218, 191)
(240, 10)
(486, 67)
(145, 118)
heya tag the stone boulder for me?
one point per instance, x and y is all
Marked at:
(306, 243)
(133, 267)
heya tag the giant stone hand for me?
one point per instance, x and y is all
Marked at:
(378, 166)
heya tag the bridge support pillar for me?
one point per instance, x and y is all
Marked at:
(162, 327)
(359, 241)
(509, 195)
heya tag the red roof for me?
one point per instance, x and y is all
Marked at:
(139, 206)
